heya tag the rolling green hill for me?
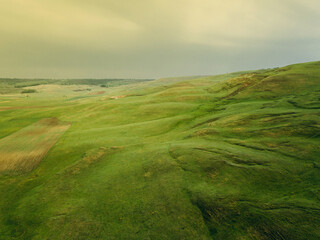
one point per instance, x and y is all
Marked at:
(14, 85)
(232, 156)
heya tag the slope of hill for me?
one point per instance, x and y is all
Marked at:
(233, 156)
(15, 85)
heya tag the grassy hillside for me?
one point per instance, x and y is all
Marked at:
(22, 151)
(15, 85)
(233, 156)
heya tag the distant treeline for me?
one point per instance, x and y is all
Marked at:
(29, 91)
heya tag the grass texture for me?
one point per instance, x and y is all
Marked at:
(233, 156)
(23, 150)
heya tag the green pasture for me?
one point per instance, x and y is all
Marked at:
(233, 156)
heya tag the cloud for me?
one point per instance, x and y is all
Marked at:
(235, 23)
(66, 23)
(147, 38)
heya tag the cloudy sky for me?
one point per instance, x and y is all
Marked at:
(154, 38)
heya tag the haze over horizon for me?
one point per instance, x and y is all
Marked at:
(154, 38)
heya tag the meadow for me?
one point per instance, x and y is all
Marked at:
(233, 156)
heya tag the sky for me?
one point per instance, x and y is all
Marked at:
(154, 38)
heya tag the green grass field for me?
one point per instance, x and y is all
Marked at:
(232, 156)
(23, 150)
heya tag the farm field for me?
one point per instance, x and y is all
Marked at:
(23, 150)
(233, 156)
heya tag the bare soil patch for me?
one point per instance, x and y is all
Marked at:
(97, 93)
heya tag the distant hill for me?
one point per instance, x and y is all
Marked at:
(12, 85)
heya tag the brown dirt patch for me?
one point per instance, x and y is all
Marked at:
(97, 93)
